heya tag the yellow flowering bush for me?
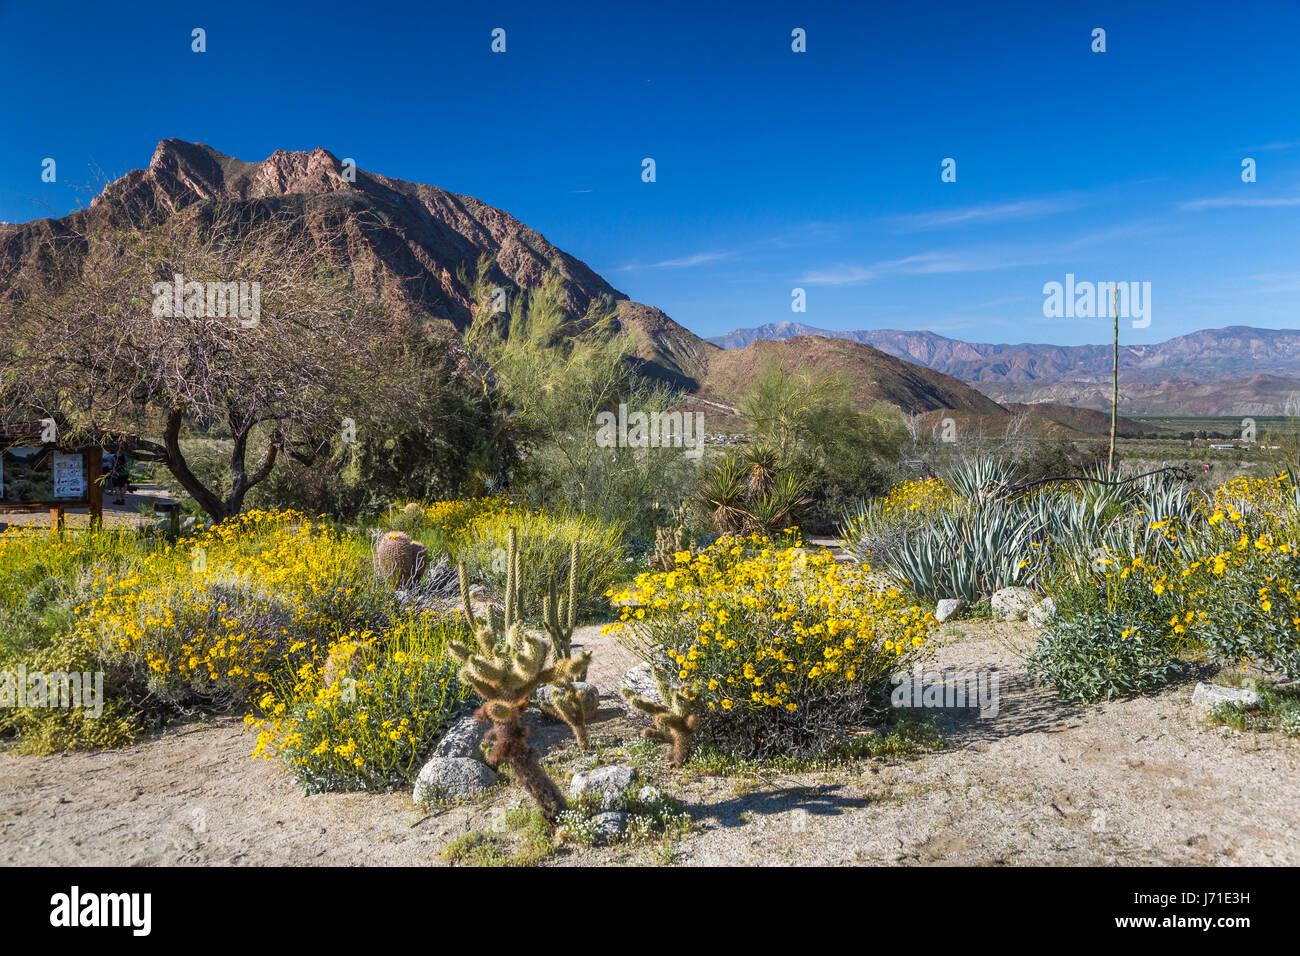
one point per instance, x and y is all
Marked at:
(210, 618)
(440, 524)
(1237, 580)
(783, 648)
(366, 716)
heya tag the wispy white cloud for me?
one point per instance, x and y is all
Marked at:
(926, 263)
(988, 212)
(686, 262)
(1242, 202)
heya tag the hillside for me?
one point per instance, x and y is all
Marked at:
(1236, 370)
(874, 376)
(407, 240)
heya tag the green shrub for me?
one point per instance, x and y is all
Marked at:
(545, 541)
(46, 730)
(1112, 635)
(1092, 655)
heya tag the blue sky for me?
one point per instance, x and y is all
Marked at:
(775, 169)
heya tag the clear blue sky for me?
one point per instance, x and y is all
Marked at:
(775, 169)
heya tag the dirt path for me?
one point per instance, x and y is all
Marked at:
(1042, 783)
(125, 515)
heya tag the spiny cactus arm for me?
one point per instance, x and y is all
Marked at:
(572, 603)
(649, 707)
(513, 569)
(566, 703)
(462, 578)
(675, 722)
(567, 668)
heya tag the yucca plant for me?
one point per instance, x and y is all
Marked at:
(752, 492)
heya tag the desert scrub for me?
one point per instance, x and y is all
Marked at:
(46, 730)
(782, 649)
(1116, 631)
(365, 717)
(210, 619)
(546, 540)
(1278, 711)
(439, 525)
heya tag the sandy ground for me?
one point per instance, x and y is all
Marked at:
(1131, 782)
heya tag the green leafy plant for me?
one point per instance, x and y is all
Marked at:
(752, 491)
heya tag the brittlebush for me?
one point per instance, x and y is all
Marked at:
(782, 648)
(366, 718)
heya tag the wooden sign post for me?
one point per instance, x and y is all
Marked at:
(38, 475)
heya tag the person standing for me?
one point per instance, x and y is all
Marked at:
(118, 478)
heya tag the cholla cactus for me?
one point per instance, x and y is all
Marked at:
(561, 614)
(675, 722)
(668, 542)
(505, 668)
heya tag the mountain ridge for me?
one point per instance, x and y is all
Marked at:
(1232, 358)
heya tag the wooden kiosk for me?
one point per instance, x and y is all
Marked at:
(36, 475)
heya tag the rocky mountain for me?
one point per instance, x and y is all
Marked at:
(1211, 355)
(1239, 370)
(409, 240)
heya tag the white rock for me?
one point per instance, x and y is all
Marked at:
(650, 795)
(449, 778)
(608, 785)
(463, 739)
(1208, 696)
(947, 608)
(640, 680)
(1012, 604)
(1042, 612)
(610, 825)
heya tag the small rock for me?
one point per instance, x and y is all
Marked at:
(463, 739)
(947, 608)
(608, 786)
(610, 825)
(640, 680)
(452, 777)
(1042, 612)
(650, 795)
(1207, 696)
(1012, 604)
(587, 693)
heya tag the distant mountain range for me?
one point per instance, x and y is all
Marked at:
(1230, 371)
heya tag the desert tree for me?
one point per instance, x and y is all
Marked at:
(243, 322)
(554, 371)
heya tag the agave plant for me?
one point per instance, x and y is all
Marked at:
(967, 553)
(980, 479)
